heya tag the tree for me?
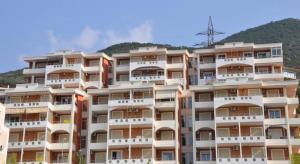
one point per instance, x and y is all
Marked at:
(295, 158)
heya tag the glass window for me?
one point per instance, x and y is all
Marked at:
(166, 155)
(204, 155)
(274, 114)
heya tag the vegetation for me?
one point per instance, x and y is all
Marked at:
(295, 158)
(11, 78)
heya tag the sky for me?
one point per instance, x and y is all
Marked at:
(33, 27)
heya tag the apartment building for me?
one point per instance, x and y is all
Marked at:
(4, 134)
(137, 118)
(233, 103)
(244, 108)
(45, 114)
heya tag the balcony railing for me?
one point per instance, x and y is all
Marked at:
(122, 121)
(27, 124)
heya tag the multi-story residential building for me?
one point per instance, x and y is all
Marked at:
(229, 104)
(244, 106)
(4, 134)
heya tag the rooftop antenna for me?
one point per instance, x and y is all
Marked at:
(210, 33)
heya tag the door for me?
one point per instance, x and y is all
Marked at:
(147, 113)
(39, 156)
(116, 154)
(167, 155)
(277, 154)
(205, 155)
(100, 157)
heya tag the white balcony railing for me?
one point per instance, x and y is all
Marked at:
(62, 81)
(139, 64)
(239, 119)
(132, 102)
(148, 78)
(230, 61)
(26, 124)
(239, 100)
(27, 105)
(130, 121)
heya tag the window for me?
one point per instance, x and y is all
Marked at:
(101, 138)
(63, 138)
(82, 142)
(167, 135)
(275, 133)
(277, 154)
(273, 93)
(256, 131)
(167, 116)
(83, 124)
(255, 111)
(183, 139)
(247, 54)
(39, 156)
(224, 153)
(13, 137)
(167, 155)
(146, 153)
(223, 112)
(116, 114)
(274, 113)
(116, 134)
(223, 132)
(221, 93)
(205, 155)
(100, 157)
(276, 51)
(116, 154)
(253, 92)
(204, 136)
(176, 75)
(41, 136)
(147, 113)
(204, 97)
(257, 152)
(203, 116)
(221, 56)
(177, 59)
(147, 133)
(208, 75)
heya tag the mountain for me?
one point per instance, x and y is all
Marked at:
(125, 47)
(286, 31)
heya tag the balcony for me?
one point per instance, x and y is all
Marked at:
(204, 104)
(165, 124)
(131, 161)
(175, 65)
(118, 142)
(27, 105)
(165, 162)
(74, 67)
(30, 71)
(204, 124)
(61, 126)
(91, 68)
(165, 104)
(26, 144)
(228, 139)
(33, 162)
(122, 68)
(235, 61)
(262, 75)
(275, 100)
(268, 59)
(131, 102)
(238, 100)
(135, 121)
(58, 106)
(238, 160)
(98, 126)
(165, 143)
(139, 64)
(205, 143)
(141, 141)
(73, 81)
(179, 81)
(89, 84)
(97, 145)
(235, 76)
(59, 145)
(278, 142)
(252, 139)
(26, 124)
(227, 119)
(148, 78)
(278, 162)
(275, 121)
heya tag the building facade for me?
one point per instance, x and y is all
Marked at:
(244, 106)
(228, 104)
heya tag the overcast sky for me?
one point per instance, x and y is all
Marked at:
(35, 27)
